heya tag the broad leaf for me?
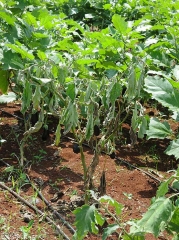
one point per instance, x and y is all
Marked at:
(152, 221)
(119, 23)
(173, 148)
(85, 217)
(162, 90)
(109, 230)
(158, 129)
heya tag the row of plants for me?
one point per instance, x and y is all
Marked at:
(92, 65)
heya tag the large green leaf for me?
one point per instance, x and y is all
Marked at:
(85, 220)
(119, 23)
(158, 129)
(154, 219)
(162, 90)
(173, 148)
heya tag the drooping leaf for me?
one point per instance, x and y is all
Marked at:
(114, 91)
(143, 127)
(162, 90)
(36, 97)
(4, 80)
(26, 96)
(157, 215)
(85, 217)
(58, 134)
(158, 129)
(109, 230)
(70, 118)
(131, 87)
(173, 148)
(89, 126)
(71, 90)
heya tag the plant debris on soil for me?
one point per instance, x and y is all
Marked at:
(57, 174)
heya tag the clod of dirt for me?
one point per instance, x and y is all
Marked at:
(56, 196)
(28, 217)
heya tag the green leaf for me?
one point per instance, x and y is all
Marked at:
(131, 87)
(86, 61)
(26, 96)
(107, 199)
(173, 225)
(114, 91)
(99, 218)
(152, 221)
(173, 148)
(163, 188)
(23, 52)
(41, 55)
(15, 63)
(6, 98)
(119, 23)
(85, 218)
(109, 230)
(4, 80)
(89, 126)
(7, 17)
(162, 90)
(158, 129)
(70, 91)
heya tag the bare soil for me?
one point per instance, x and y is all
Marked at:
(58, 170)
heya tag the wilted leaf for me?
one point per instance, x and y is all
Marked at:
(4, 80)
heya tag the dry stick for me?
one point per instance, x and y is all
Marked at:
(49, 220)
(53, 210)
